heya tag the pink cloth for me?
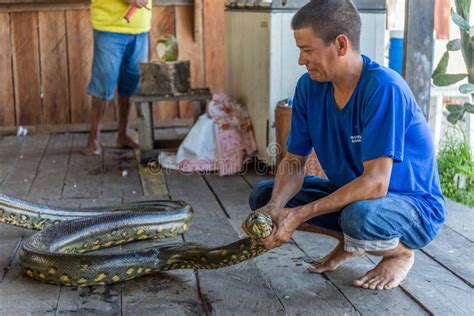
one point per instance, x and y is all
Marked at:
(233, 134)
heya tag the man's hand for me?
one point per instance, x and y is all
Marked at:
(284, 225)
(283, 228)
(138, 3)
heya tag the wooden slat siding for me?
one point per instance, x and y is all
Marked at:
(20, 178)
(367, 302)
(298, 290)
(84, 174)
(26, 67)
(234, 290)
(190, 48)
(7, 101)
(163, 23)
(54, 67)
(177, 292)
(437, 289)
(214, 49)
(9, 148)
(48, 183)
(79, 50)
(455, 252)
(460, 219)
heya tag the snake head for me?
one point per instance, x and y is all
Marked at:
(260, 225)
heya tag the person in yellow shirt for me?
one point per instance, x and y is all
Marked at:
(119, 47)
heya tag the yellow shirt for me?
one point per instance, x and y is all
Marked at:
(107, 15)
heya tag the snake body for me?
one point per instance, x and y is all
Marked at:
(62, 251)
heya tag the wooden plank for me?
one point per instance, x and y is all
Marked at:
(393, 302)
(85, 127)
(84, 174)
(214, 48)
(120, 174)
(441, 292)
(9, 153)
(191, 48)
(26, 67)
(48, 183)
(418, 50)
(454, 252)
(298, 290)
(79, 51)
(24, 168)
(7, 111)
(233, 290)
(163, 23)
(460, 219)
(54, 67)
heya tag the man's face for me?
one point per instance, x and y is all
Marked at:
(318, 57)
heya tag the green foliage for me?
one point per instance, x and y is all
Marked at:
(460, 17)
(456, 170)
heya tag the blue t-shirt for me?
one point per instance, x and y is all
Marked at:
(380, 119)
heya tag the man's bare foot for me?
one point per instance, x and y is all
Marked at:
(333, 260)
(126, 142)
(92, 149)
(388, 273)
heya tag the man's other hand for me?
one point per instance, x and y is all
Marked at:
(138, 3)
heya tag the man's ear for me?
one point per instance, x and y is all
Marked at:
(342, 44)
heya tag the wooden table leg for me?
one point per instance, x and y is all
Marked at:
(146, 128)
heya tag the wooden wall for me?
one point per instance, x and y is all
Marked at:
(46, 56)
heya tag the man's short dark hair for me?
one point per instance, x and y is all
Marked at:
(330, 18)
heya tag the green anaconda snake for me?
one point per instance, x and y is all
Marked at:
(60, 253)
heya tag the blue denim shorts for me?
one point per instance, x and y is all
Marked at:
(370, 225)
(116, 63)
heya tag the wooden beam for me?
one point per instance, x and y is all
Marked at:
(418, 50)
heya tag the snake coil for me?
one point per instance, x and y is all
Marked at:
(62, 251)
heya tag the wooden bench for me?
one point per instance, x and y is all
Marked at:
(149, 147)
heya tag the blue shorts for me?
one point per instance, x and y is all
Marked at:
(370, 225)
(116, 63)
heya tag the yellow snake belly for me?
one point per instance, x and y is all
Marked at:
(62, 251)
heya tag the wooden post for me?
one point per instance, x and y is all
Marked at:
(418, 50)
(146, 129)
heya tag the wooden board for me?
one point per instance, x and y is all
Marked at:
(49, 180)
(163, 23)
(24, 167)
(190, 48)
(7, 111)
(9, 148)
(214, 49)
(26, 67)
(84, 175)
(79, 51)
(298, 290)
(460, 219)
(240, 289)
(54, 67)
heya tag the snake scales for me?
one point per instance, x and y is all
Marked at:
(61, 252)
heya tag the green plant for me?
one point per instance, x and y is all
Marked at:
(456, 170)
(461, 17)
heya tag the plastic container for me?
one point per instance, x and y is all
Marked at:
(395, 51)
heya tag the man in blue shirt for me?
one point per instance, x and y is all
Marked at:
(382, 195)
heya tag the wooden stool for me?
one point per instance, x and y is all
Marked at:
(144, 105)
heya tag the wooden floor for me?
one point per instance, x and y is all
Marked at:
(49, 169)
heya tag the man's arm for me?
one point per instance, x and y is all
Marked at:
(372, 184)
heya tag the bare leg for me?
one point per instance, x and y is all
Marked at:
(390, 271)
(123, 140)
(97, 114)
(336, 257)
